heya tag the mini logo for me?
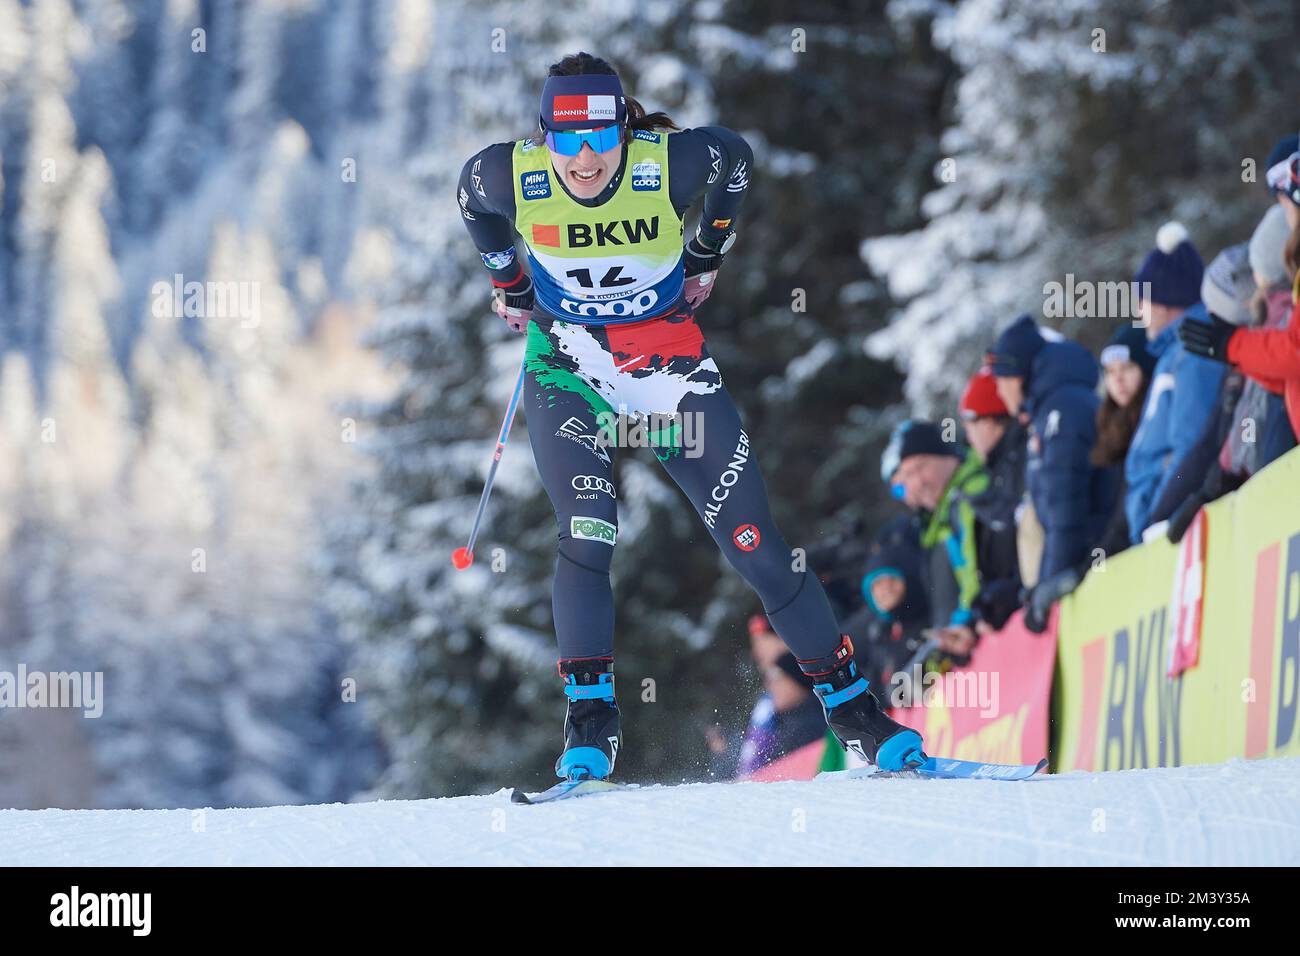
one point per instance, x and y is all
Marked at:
(645, 176)
(546, 235)
(594, 484)
(746, 537)
(646, 135)
(535, 184)
(593, 529)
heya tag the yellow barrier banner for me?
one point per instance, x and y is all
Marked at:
(1115, 707)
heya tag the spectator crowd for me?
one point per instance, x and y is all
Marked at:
(1064, 459)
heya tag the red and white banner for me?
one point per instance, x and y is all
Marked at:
(593, 107)
(1188, 598)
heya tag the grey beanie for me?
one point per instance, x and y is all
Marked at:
(1228, 285)
(1266, 246)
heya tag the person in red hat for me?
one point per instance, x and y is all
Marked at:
(999, 439)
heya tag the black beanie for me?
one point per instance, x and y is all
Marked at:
(910, 438)
(1129, 344)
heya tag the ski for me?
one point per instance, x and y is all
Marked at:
(565, 790)
(945, 768)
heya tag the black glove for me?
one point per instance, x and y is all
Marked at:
(1037, 611)
(700, 258)
(515, 305)
(1181, 519)
(1041, 597)
(1207, 339)
(997, 601)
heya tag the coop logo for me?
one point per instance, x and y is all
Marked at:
(721, 491)
(535, 184)
(575, 430)
(75, 690)
(645, 176)
(593, 529)
(594, 484)
(638, 304)
(130, 910)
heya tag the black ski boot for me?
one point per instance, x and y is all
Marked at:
(591, 726)
(856, 717)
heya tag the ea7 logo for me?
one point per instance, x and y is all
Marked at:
(575, 429)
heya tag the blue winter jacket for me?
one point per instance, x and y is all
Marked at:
(1182, 402)
(1072, 497)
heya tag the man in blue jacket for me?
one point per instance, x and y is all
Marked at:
(1050, 383)
(1183, 399)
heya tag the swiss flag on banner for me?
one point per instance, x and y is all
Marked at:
(1189, 593)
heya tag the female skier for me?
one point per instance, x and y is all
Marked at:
(608, 304)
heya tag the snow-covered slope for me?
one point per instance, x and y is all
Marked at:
(1236, 813)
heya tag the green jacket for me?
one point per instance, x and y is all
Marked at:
(952, 528)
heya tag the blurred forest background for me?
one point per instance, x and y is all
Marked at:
(239, 522)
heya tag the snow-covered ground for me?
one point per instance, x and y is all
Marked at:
(1241, 812)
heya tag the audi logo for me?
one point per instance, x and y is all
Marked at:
(594, 483)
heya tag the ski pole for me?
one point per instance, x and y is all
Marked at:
(462, 558)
